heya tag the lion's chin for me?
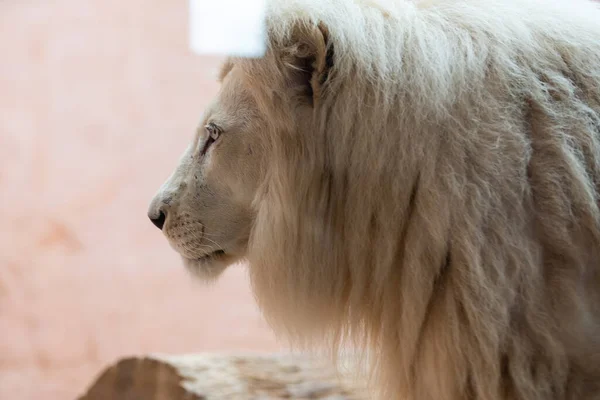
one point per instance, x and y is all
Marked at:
(209, 267)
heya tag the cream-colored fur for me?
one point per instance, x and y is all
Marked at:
(418, 179)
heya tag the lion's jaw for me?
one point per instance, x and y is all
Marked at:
(205, 207)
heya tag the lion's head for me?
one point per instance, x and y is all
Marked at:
(208, 207)
(205, 208)
(418, 178)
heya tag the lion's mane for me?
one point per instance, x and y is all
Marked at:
(439, 206)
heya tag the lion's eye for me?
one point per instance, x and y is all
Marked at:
(213, 134)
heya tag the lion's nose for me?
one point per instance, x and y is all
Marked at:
(160, 207)
(158, 220)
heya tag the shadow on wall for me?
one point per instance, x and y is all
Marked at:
(99, 98)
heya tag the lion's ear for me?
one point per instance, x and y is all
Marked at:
(308, 60)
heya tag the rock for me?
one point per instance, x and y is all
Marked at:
(212, 377)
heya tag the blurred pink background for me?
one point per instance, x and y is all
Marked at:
(98, 99)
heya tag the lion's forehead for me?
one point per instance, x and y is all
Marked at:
(233, 107)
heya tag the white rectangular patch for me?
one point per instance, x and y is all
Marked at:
(229, 27)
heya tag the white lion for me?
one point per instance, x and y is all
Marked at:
(419, 179)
